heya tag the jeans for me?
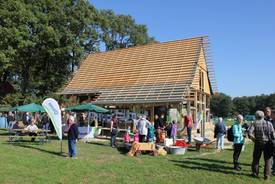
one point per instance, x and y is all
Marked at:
(236, 154)
(46, 127)
(220, 142)
(72, 148)
(260, 147)
(113, 140)
(189, 134)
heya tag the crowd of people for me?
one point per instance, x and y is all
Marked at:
(30, 123)
(152, 131)
(261, 132)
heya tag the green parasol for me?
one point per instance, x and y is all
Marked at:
(87, 107)
(29, 108)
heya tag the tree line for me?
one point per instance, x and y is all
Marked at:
(43, 42)
(223, 105)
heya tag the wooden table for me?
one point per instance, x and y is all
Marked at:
(17, 135)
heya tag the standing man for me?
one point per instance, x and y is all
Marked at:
(10, 118)
(268, 118)
(162, 122)
(45, 121)
(219, 132)
(142, 127)
(188, 123)
(159, 125)
(114, 130)
(27, 119)
(259, 133)
(72, 137)
(238, 141)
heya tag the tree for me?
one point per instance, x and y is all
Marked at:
(42, 42)
(261, 102)
(271, 101)
(241, 105)
(221, 105)
(121, 31)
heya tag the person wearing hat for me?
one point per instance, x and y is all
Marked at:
(142, 127)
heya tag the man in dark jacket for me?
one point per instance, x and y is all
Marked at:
(159, 125)
(220, 131)
(72, 137)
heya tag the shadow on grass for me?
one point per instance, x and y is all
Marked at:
(123, 150)
(30, 146)
(216, 161)
(4, 132)
(210, 165)
(99, 143)
(202, 148)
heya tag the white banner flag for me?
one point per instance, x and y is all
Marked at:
(52, 108)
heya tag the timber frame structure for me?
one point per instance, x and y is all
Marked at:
(176, 74)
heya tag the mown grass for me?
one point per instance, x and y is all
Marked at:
(98, 163)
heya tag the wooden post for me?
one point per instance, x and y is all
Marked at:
(152, 118)
(195, 106)
(61, 151)
(180, 106)
(200, 110)
(204, 114)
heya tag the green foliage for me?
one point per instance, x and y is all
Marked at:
(121, 31)
(241, 105)
(221, 105)
(43, 41)
(13, 99)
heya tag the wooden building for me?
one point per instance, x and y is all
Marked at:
(152, 78)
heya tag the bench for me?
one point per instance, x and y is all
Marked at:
(20, 138)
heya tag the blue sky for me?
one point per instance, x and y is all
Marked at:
(241, 33)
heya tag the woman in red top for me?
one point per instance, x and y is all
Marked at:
(188, 123)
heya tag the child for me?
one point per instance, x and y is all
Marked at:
(136, 137)
(174, 131)
(126, 137)
(129, 130)
(151, 132)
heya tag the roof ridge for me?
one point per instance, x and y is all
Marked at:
(146, 45)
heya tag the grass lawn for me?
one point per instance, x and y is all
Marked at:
(98, 163)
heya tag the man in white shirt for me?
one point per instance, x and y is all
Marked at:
(32, 128)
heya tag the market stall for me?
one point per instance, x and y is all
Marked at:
(88, 132)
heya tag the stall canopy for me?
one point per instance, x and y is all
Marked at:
(87, 107)
(29, 108)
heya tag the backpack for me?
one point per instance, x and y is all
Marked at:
(230, 136)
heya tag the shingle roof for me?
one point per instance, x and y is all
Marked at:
(159, 72)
